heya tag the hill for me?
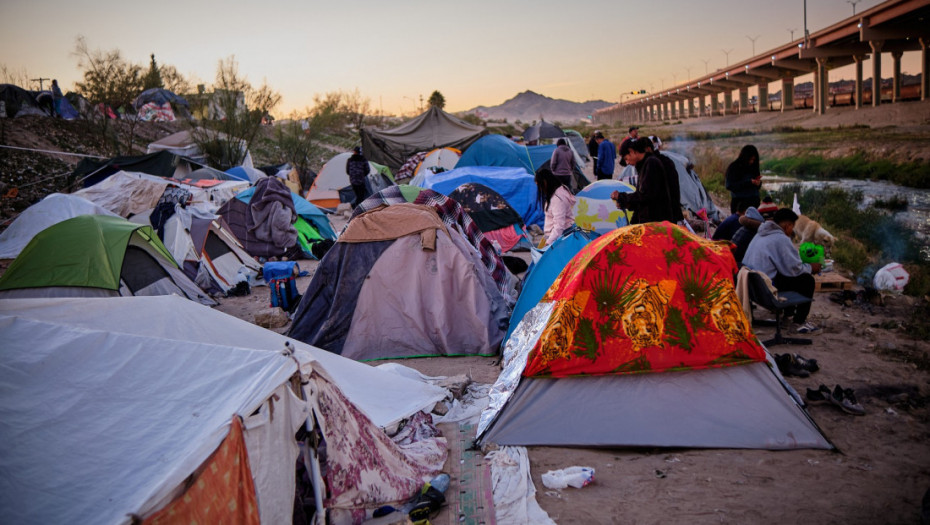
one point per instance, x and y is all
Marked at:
(530, 106)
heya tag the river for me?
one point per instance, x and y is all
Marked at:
(916, 216)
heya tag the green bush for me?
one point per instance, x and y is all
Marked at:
(850, 254)
(910, 174)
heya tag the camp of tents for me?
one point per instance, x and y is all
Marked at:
(142, 402)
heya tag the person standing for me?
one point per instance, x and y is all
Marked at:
(651, 202)
(357, 169)
(562, 163)
(633, 135)
(592, 152)
(56, 98)
(772, 253)
(743, 178)
(557, 201)
(606, 157)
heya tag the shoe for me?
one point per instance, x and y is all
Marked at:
(820, 396)
(807, 328)
(845, 400)
(789, 367)
(807, 364)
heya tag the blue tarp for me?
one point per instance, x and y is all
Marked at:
(158, 96)
(542, 273)
(498, 150)
(238, 173)
(515, 185)
(309, 212)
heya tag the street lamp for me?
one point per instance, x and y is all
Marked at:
(706, 61)
(792, 33)
(727, 53)
(853, 3)
(753, 40)
(688, 69)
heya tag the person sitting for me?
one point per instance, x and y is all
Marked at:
(557, 201)
(772, 253)
(728, 227)
(768, 207)
(748, 226)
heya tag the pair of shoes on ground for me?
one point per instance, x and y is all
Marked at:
(842, 398)
(807, 328)
(795, 365)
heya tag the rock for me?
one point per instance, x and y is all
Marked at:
(440, 409)
(455, 384)
(272, 318)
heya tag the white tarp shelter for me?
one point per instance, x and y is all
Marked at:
(51, 210)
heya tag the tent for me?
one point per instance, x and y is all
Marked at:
(161, 97)
(542, 130)
(497, 220)
(259, 224)
(146, 390)
(17, 101)
(152, 112)
(331, 182)
(206, 249)
(440, 159)
(693, 195)
(399, 283)
(498, 150)
(595, 210)
(515, 185)
(642, 342)
(162, 164)
(97, 256)
(454, 217)
(433, 129)
(51, 210)
(542, 273)
(578, 144)
(187, 143)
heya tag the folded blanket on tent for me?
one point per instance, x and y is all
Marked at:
(272, 213)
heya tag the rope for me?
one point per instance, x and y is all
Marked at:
(52, 152)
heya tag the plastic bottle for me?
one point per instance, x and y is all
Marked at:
(568, 477)
(440, 482)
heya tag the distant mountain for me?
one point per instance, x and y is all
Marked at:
(529, 106)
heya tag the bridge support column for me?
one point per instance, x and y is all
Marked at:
(727, 102)
(896, 76)
(691, 108)
(702, 110)
(821, 86)
(714, 104)
(924, 68)
(876, 46)
(744, 100)
(787, 94)
(666, 111)
(857, 94)
(763, 97)
(681, 109)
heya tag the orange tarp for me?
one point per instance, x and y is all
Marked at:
(223, 492)
(644, 298)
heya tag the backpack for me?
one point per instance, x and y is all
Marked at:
(281, 277)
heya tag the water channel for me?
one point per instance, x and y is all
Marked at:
(916, 217)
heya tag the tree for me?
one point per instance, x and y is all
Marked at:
(110, 81)
(174, 81)
(17, 78)
(437, 100)
(237, 112)
(152, 78)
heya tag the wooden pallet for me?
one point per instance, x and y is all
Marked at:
(831, 282)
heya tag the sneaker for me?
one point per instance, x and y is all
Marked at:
(807, 328)
(845, 400)
(789, 367)
(820, 396)
(807, 364)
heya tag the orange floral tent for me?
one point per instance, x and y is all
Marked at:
(645, 298)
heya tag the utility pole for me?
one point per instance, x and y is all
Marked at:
(39, 80)
(753, 40)
(792, 34)
(688, 69)
(853, 3)
(727, 53)
(706, 61)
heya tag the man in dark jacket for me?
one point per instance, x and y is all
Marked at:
(652, 200)
(357, 168)
(674, 185)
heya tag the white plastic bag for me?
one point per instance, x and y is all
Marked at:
(891, 277)
(568, 477)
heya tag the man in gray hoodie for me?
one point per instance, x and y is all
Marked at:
(772, 253)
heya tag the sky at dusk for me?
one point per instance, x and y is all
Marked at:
(479, 52)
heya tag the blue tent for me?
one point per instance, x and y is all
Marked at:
(159, 96)
(307, 211)
(543, 272)
(515, 185)
(498, 150)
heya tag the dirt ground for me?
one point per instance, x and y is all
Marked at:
(879, 474)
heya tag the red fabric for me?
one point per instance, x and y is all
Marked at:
(223, 492)
(506, 237)
(644, 298)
